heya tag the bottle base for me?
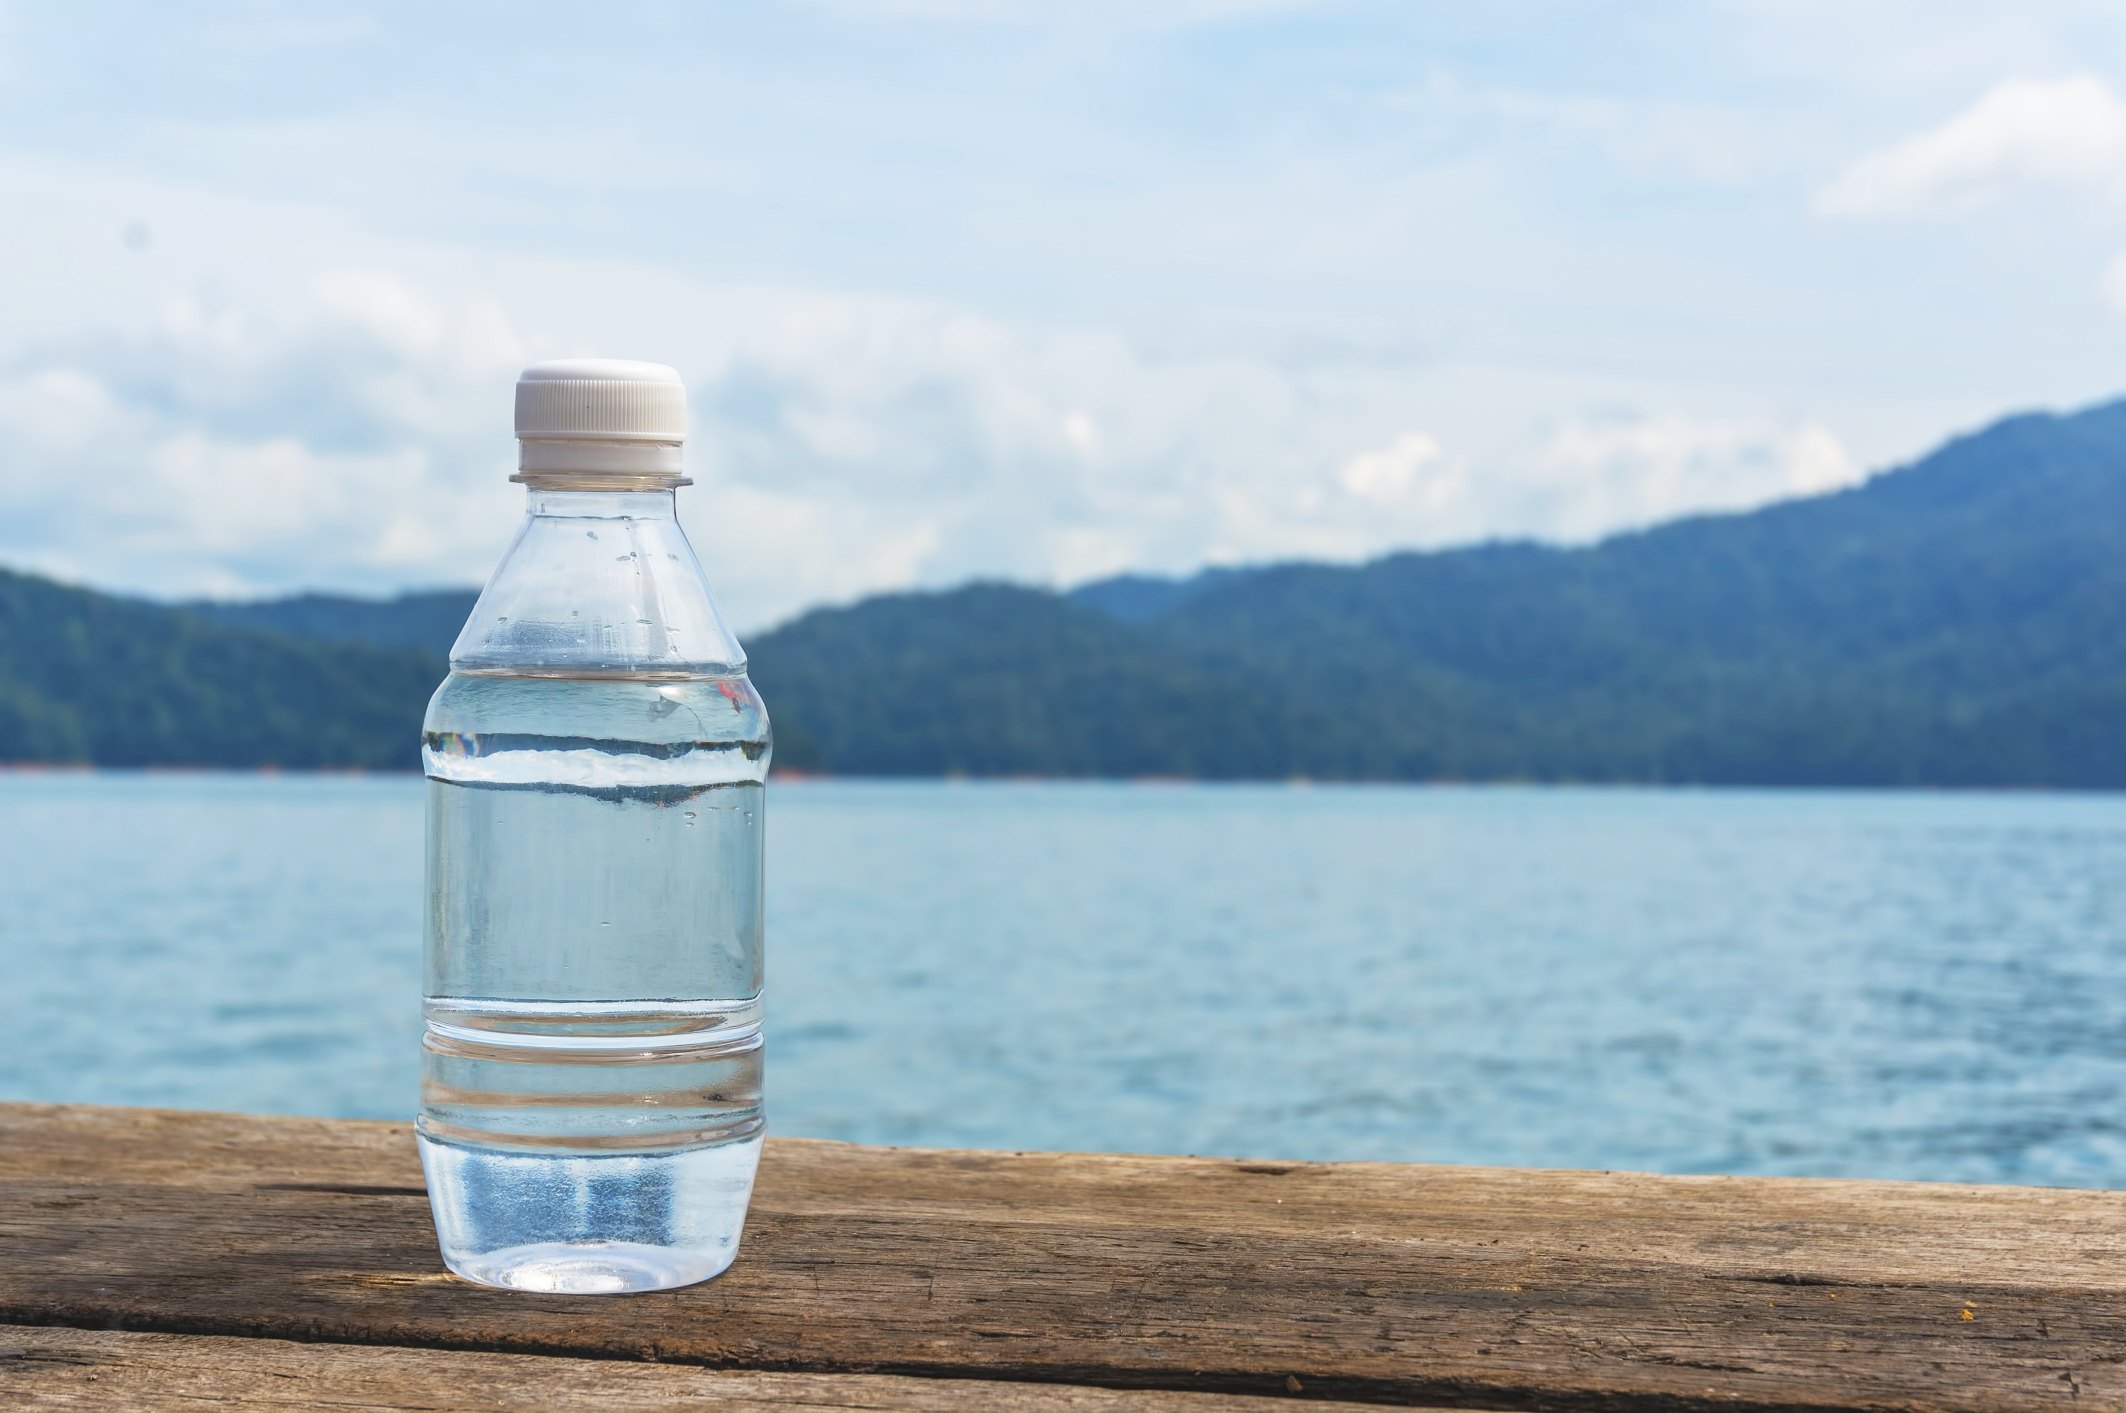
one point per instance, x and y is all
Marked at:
(576, 1223)
(588, 1267)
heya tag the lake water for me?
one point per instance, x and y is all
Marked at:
(1898, 985)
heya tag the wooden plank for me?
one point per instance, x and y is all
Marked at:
(105, 1369)
(1463, 1286)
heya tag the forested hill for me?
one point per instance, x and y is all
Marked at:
(427, 621)
(92, 677)
(1961, 621)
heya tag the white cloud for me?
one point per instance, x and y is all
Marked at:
(1168, 304)
(1642, 137)
(1597, 475)
(228, 448)
(1588, 477)
(352, 431)
(2023, 133)
(57, 411)
(1104, 16)
(1080, 432)
(1393, 472)
(2113, 283)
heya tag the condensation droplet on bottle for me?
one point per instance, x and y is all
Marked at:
(690, 816)
(591, 534)
(643, 621)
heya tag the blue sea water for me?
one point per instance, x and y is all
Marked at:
(1897, 985)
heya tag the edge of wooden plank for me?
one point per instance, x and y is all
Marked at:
(57, 1366)
(1498, 1288)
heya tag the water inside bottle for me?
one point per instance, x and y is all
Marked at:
(591, 1078)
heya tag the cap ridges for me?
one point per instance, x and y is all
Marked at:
(601, 399)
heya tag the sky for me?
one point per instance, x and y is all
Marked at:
(1024, 290)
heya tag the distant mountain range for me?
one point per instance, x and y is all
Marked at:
(114, 681)
(1961, 621)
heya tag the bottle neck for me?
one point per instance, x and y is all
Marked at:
(590, 464)
(545, 502)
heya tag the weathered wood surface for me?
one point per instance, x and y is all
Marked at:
(1364, 1282)
(103, 1369)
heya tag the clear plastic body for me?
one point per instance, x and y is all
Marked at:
(591, 1080)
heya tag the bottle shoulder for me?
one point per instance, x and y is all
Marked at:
(586, 596)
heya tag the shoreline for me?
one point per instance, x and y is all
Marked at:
(1167, 782)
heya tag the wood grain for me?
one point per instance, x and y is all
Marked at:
(1369, 1282)
(106, 1370)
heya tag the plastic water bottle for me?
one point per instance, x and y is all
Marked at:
(591, 1079)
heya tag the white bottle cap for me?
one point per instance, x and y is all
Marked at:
(591, 417)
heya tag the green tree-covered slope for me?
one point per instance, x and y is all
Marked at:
(427, 620)
(91, 677)
(1961, 621)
